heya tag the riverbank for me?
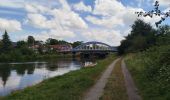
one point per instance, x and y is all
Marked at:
(70, 86)
(151, 72)
(24, 58)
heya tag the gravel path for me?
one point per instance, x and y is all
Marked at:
(130, 86)
(97, 90)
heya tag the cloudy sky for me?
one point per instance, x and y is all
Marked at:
(74, 20)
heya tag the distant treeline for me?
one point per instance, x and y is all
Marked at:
(23, 50)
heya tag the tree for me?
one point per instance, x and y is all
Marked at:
(0, 44)
(51, 41)
(163, 36)
(21, 44)
(6, 43)
(142, 36)
(30, 40)
(77, 43)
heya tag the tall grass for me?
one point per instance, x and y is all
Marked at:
(151, 71)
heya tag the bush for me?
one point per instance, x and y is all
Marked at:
(151, 71)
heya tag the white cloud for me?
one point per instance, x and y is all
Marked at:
(10, 25)
(12, 3)
(140, 3)
(111, 20)
(56, 33)
(2, 11)
(113, 13)
(114, 22)
(35, 8)
(167, 9)
(62, 24)
(106, 22)
(108, 7)
(82, 7)
(68, 19)
(114, 16)
(111, 37)
(63, 17)
(163, 2)
(37, 20)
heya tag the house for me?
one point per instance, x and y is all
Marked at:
(61, 48)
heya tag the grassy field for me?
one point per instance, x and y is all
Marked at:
(115, 88)
(151, 72)
(70, 86)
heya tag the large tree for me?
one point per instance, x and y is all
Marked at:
(21, 44)
(163, 36)
(77, 43)
(6, 42)
(30, 40)
(51, 41)
(142, 36)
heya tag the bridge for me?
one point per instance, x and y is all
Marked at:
(94, 46)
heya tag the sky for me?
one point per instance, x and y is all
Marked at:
(107, 21)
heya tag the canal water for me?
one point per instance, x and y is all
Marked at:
(16, 76)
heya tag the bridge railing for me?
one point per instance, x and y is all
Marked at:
(94, 46)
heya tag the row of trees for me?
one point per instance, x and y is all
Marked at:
(7, 45)
(143, 36)
(24, 50)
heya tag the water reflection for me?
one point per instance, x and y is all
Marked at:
(14, 76)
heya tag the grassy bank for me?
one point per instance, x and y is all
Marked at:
(23, 58)
(115, 88)
(70, 86)
(151, 72)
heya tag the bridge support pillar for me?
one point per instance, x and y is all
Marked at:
(73, 54)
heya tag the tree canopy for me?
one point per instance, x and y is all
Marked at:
(141, 37)
(30, 40)
(6, 43)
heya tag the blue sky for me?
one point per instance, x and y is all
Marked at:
(74, 20)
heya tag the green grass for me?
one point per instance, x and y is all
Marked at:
(151, 72)
(23, 58)
(115, 88)
(70, 86)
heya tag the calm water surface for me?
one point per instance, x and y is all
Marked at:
(15, 76)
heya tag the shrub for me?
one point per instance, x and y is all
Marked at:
(151, 71)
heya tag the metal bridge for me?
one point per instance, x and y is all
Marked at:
(94, 46)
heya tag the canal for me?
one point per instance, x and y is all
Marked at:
(16, 76)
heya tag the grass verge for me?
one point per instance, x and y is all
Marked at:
(150, 73)
(115, 88)
(70, 86)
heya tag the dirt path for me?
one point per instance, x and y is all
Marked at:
(97, 90)
(130, 86)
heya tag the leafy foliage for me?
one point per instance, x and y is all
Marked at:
(77, 43)
(6, 43)
(151, 71)
(21, 44)
(30, 40)
(141, 37)
(51, 41)
(150, 65)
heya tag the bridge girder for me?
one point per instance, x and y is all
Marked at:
(94, 46)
